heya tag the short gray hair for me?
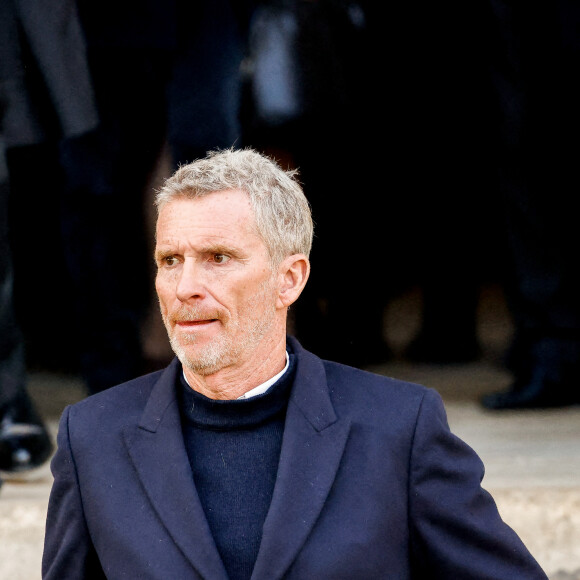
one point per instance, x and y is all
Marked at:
(281, 210)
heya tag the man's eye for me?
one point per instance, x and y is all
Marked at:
(220, 258)
(170, 260)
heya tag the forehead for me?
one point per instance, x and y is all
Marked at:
(226, 214)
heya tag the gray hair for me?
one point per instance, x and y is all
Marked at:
(281, 210)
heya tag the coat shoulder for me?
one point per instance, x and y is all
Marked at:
(124, 402)
(345, 379)
(357, 391)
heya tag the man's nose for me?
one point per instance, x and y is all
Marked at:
(190, 284)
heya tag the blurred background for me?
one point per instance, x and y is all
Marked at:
(436, 142)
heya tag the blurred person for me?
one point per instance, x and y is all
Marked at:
(538, 98)
(162, 72)
(420, 149)
(249, 456)
(311, 101)
(452, 200)
(41, 59)
(25, 443)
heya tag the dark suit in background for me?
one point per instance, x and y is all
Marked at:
(45, 95)
(535, 67)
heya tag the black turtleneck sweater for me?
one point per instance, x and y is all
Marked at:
(233, 449)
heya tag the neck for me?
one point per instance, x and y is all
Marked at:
(234, 381)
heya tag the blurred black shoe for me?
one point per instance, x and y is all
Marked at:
(24, 440)
(546, 371)
(538, 393)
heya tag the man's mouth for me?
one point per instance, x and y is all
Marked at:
(192, 318)
(194, 323)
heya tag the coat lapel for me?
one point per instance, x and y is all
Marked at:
(157, 450)
(312, 447)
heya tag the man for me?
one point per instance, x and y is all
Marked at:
(249, 456)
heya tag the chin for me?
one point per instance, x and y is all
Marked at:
(203, 359)
(204, 365)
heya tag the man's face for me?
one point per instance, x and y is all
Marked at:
(215, 284)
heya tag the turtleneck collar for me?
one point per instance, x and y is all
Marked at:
(214, 414)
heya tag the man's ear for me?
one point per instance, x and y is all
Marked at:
(293, 273)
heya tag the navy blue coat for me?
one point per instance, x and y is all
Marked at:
(371, 484)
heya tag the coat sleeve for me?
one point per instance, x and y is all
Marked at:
(68, 550)
(456, 529)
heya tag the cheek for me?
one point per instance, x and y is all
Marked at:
(257, 300)
(240, 300)
(164, 291)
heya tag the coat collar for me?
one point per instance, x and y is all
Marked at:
(312, 446)
(158, 453)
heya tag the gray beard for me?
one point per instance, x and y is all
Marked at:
(223, 351)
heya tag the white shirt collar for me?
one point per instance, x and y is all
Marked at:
(260, 389)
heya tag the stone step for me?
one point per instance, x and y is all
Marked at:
(547, 518)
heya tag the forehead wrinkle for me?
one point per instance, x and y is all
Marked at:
(220, 245)
(218, 232)
(207, 237)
